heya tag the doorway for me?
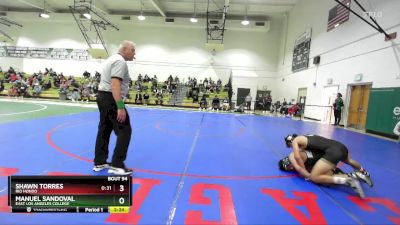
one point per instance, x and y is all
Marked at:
(301, 100)
(328, 98)
(241, 95)
(358, 106)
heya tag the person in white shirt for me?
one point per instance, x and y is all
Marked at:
(113, 87)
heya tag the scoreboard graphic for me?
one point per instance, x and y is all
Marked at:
(89, 194)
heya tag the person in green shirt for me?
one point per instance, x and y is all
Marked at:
(337, 108)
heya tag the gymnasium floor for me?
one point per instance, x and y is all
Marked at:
(193, 167)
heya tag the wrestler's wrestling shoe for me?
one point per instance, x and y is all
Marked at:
(364, 176)
(101, 167)
(355, 184)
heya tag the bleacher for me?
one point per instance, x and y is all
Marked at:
(54, 93)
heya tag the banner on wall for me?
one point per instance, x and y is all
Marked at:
(383, 110)
(44, 53)
(301, 51)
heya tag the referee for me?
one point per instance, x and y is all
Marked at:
(113, 115)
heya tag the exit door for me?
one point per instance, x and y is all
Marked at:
(358, 106)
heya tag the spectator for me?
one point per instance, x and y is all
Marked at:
(284, 102)
(86, 74)
(225, 104)
(159, 98)
(85, 94)
(203, 102)
(1, 86)
(97, 76)
(241, 108)
(22, 89)
(146, 97)
(195, 98)
(216, 103)
(75, 95)
(138, 98)
(248, 101)
(47, 85)
(37, 88)
(293, 110)
(337, 107)
(268, 102)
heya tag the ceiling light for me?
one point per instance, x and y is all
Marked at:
(87, 16)
(44, 15)
(141, 16)
(97, 46)
(194, 19)
(245, 22)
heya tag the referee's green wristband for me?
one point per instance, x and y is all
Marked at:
(120, 104)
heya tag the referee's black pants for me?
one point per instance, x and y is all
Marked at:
(108, 122)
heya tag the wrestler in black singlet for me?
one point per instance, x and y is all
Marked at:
(331, 150)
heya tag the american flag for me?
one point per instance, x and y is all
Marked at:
(338, 15)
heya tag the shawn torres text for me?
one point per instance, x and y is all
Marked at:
(32, 188)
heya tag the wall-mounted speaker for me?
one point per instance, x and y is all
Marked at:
(316, 60)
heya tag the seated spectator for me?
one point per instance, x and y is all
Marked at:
(37, 88)
(13, 91)
(47, 85)
(75, 95)
(195, 98)
(275, 107)
(13, 77)
(203, 102)
(241, 108)
(225, 105)
(293, 110)
(22, 89)
(215, 103)
(138, 98)
(159, 98)
(146, 97)
(63, 92)
(1, 86)
(285, 109)
(85, 95)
